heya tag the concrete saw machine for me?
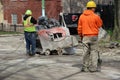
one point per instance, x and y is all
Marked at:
(52, 37)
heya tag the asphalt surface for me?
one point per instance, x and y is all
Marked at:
(16, 65)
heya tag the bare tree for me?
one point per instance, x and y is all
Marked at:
(116, 32)
(1, 1)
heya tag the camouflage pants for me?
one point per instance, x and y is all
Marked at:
(90, 54)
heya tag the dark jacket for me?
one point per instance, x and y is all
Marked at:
(33, 20)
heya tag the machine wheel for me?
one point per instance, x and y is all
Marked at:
(38, 53)
(59, 51)
(47, 52)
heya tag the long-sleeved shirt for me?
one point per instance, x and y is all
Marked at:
(33, 20)
(89, 23)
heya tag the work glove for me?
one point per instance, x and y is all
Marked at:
(81, 38)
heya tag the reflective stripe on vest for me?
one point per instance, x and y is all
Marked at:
(28, 26)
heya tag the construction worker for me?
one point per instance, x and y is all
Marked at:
(88, 28)
(29, 32)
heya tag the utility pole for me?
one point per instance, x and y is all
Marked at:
(43, 7)
(70, 2)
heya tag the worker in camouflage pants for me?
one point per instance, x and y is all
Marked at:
(91, 58)
(89, 24)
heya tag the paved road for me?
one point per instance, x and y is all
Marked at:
(15, 65)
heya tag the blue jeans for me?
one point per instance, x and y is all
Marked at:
(30, 38)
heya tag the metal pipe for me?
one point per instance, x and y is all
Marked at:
(43, 7)
(70, 6)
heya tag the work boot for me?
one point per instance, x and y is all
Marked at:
(84, 70)
(27, 54)
(33, 54)
(94, 70)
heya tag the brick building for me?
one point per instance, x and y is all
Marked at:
(14, 9)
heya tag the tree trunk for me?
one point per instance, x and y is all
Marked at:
(116, 31)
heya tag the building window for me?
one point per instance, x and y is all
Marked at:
(23, 17)
(23, 0)
(13, 0)
(14, 18)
